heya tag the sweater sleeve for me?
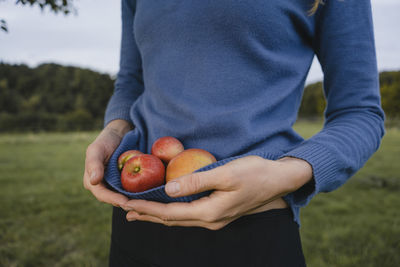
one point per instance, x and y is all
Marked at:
(353, 128)
(129, 83)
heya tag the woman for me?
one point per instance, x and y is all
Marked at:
(228, 76)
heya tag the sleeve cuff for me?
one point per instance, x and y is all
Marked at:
(325, 172)
(117, 112)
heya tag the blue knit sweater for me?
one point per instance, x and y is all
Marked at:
(228, 76)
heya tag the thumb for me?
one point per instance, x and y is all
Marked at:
(94, 165)
(193, 183)
(96, 172)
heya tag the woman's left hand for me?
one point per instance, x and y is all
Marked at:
(242, 186)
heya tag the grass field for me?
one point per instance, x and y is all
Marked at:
(48, 219)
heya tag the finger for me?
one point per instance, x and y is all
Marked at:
(94, 163)
(103, 194)
(195, 210)
(197, 182)
(132, 216)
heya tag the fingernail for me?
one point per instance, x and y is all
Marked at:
(172, 188)
(130, 218)
(93, 176)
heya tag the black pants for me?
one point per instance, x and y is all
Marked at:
(269, 238)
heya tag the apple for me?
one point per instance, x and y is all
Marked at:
(142, 172)
(187, 162)
(124, 157)
(167, 147)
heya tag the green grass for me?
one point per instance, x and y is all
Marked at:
(359, 223)
(48, 219)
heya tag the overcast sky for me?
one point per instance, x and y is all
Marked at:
(91, 38)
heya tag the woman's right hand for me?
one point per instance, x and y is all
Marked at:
(97, 155)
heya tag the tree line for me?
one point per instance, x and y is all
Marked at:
(313, 102)
(52, 97)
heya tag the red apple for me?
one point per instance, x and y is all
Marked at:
(167, 147)
(187, 162)
(142, 172)
(124, 157)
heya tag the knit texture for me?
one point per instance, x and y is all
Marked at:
(131, 141)
(228, 77)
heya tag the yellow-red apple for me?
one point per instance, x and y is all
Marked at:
(142, 172)
(124, 157)
(167, 147)
(187, 162)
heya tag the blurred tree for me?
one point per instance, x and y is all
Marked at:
(313, 102)
(52, 97)
(56, 6)
(3, 25)
(390, 91)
